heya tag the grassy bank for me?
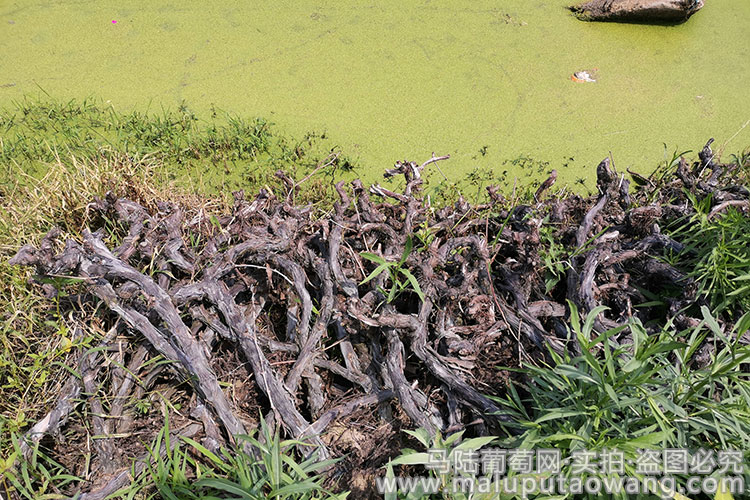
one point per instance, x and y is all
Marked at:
(659, 389)
(221, 152)
(210, 154)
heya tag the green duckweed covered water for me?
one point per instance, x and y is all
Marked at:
(487, 82)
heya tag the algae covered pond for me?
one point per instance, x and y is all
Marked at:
(487, 82)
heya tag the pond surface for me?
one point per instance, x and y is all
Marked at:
(485, 81)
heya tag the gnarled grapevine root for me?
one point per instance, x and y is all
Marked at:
(285, 292)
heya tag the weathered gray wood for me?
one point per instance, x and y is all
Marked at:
(638, 10)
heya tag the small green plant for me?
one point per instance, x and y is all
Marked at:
(142, 406)
(396, 271)
(425, 234)
(554, 257)
(665, 170)
(741, 159)
(441, 450)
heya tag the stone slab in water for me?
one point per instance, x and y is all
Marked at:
(638, 10)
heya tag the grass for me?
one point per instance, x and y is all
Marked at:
(717, 255)
(185, 470)
(650, 390)
(38, 478)
(180, 468)
(222, 153)
(647, 393)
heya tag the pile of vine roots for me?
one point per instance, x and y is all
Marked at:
(263, 312)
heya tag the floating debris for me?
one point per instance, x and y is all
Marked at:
(584, 76)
